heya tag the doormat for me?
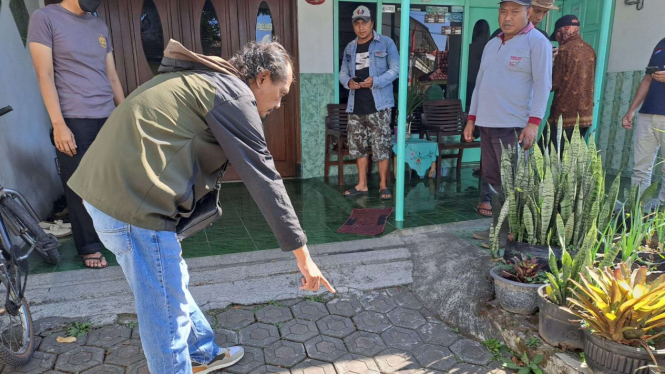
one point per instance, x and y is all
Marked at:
(369, 222)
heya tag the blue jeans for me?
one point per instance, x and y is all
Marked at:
(173, 328)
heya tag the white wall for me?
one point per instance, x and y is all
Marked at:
(315, 37)
(26, 158)
(635, 34)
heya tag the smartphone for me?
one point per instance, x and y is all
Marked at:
(358, 80)
(652, 70)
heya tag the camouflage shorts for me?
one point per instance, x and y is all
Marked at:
(373, 128)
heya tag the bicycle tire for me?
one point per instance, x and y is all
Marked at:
(7, 356)
(46, 245)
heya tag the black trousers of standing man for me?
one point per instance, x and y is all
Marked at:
(85, 131)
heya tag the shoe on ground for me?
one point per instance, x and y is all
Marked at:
(226, 358)
(482, 235)
(58, 231)
(46, 225)
(486, 244)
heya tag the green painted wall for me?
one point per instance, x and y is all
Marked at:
(615, 143)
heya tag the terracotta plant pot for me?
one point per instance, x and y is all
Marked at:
(607, 357)
(515, 297)
(554, 324)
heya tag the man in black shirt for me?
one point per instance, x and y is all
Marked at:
(370, 64)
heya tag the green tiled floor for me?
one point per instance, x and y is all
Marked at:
(322, 209)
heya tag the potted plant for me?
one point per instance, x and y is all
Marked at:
(516, 284)
(540, 186)
(556, 323)
(624, 314)
(415, 97)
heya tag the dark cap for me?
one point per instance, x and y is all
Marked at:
(520, 2)
(569, 20)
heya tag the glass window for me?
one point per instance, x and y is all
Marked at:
(211, 36)
(152, 36)
(264, 27)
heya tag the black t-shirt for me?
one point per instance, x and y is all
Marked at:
(498, 31)
(364, 100)
(655, 100)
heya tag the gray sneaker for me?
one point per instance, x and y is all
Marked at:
(482, 235)
(226, 358)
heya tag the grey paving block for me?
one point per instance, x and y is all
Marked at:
(435, 357)
(378, 302)
(356, 364)
(471, 351)
(41, 362)
(105, 369)
(365, 343)
(310, 310)
(290, 302)
(406, 299)
(299, 330)
(50, 345)
(437, 333)
(125, 353)
(336, 326)
(372, 322)
(395, 360)
(251, 361)
(469, 369)
(348, 306)
(136, 333)
(407, 318)
(310, 366)
(274, 314)
(401, 338)
(109, 336)
(325, 348)
(284, 353)
(425, 371)
(259, 335)
(140, 367)
(235, 319)
(265, 369)
(226, 338)
(80, 359)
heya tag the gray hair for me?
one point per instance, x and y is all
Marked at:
(256, 58)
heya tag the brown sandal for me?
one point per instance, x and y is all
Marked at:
(94, 258)
(485, 212)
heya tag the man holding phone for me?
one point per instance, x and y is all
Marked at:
(649, 136)
(370, 64)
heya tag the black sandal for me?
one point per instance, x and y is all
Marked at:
(385, 194)
(94, 258)
(354, 192)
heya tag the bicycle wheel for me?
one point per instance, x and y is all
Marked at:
(45, 245)
(17, 335)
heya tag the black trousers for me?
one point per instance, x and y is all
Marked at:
(85, 131)
(568, 133)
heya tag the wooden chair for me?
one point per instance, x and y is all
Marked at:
(442, 119)
(337, 121)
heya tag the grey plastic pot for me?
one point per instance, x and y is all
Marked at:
(554, 324)
(607, 357)
(515, 297)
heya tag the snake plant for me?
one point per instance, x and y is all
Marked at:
(542, 187)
